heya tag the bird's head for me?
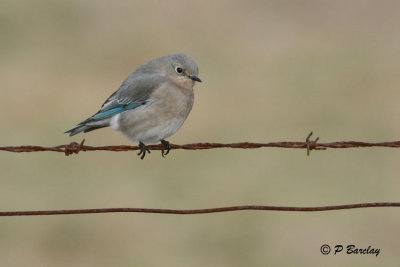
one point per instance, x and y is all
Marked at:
(182, 69)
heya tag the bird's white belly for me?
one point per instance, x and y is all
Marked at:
(147, 124)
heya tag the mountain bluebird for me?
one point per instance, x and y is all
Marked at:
(151, 104)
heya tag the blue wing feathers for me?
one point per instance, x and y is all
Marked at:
(113, 111)
(134, 92)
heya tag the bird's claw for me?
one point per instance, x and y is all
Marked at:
(143, 150)
(167, 146)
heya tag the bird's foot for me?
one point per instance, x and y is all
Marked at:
(143, 150)
(167, 146)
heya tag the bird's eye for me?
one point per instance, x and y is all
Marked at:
(179, 70)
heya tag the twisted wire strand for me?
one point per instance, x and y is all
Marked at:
(75, 148)
(200, 211)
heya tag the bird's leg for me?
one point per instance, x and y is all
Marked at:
(143, 150)
(167, 146)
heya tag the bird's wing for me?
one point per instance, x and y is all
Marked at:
(133, 92)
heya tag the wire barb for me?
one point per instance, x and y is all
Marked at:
(73, 148)
(310, 145)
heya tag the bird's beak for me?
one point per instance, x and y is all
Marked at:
(195, 78)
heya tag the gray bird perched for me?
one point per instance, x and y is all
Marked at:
(151, 104)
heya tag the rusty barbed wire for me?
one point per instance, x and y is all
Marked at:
(200, 211)
(75, 148)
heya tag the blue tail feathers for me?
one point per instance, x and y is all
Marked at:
(100, 119)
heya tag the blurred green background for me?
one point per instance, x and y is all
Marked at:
(272, 71)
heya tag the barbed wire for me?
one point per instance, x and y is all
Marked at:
(75, 148)
(200, 211)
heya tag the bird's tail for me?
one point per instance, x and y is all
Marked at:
(87, 126)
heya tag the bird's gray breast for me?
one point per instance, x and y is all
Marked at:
(167, 108)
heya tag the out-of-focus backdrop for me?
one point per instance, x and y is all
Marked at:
(272, 71)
